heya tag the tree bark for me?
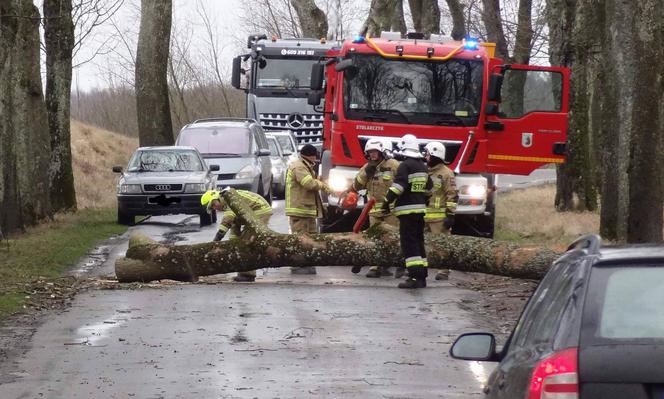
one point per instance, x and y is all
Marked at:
(458, 19)
(426, 16)
(313, 22)
(260, 247)
(59, 42)
(24, 138)
(384, 15)
(494, 28)
(152, 103)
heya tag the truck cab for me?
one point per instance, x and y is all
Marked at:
(277, 83)
(492, 117)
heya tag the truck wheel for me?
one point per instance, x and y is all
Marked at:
(338, 221)
(125, 218)
(475, 225)
(205, 219)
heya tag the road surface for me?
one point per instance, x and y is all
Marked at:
(331, 335)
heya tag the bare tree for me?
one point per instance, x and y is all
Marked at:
(151, 82)
(59, 42)
(313, 22)
(426, 15)
(384, 15)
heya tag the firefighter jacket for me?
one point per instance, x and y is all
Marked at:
(443, 199)
(302, 190)
(257, 204)
(377, 180)
(410, 187)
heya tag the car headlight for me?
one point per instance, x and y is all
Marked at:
(129, 189)
(194, 188)
(338, 183)
(246, 173)
(474, 190)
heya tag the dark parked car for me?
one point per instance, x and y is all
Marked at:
(240, 149)
(164, 181)
(593, 329)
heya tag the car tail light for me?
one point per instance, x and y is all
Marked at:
(556, 377)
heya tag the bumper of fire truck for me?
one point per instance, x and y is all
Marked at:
(472, 190)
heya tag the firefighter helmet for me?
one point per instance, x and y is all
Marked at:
(410, 147)
(374, 144)
(349, 201)
(436, 149)
(208, 197)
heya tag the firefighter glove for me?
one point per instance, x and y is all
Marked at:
(448, 222)
(385, 208)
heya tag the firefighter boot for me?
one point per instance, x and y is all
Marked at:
(399, 272)
(356, 269)
(385, 272)
(244, 278)
(417, 278)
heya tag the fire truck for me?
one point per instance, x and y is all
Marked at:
(492, 117)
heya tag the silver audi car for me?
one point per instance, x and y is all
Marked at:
(164, 181)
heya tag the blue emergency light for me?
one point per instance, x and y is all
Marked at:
(358, 39)
(471, 44)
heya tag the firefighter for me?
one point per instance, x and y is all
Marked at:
(443, 200)
(303, 201)
(376, 176)
(213, 200)
(409, 191)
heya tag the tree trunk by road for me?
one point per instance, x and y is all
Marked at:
(458, 19)
(59, 43)
(153, 107)
(384, 15)
(426, 16)
(24, 137)
(313, 21)
(260, 247)
(494, 28)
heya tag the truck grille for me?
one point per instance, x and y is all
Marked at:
(310, 129)
(158, 188)
(226, 176)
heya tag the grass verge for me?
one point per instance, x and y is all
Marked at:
(43, 253)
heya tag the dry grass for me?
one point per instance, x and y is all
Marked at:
(529, 216)
(94, 152)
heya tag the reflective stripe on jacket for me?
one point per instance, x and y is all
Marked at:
(444, 196)
(410, 187)
(377, 184)
(302, 190)
(257, 204)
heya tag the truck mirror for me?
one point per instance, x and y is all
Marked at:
(495, 85)
(237, 69)
(348, 67)
(317, 76)
(314, 98)
(491, 109)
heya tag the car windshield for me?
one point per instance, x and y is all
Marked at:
(286, 143)
(633, 303)
(274, 147)
(165, 161)
(422, 92)
(217, 141)
(285, 74)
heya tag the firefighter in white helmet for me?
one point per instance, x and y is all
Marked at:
(409, 192)
(376, 176)
(443, 196)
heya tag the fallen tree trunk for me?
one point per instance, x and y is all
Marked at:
(259, 247)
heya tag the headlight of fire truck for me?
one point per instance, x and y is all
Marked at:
(338, 182)
(473, 190)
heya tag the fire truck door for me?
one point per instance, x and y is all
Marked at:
(526, 121)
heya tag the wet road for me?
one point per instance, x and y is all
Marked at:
(331, 335)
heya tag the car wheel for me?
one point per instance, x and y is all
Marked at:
(206, 219)
(125, 218)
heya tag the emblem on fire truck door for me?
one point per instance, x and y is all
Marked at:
(526, 139)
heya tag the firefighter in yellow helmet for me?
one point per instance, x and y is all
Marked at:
(376, 176)
(215, 202)
(303, 202)
(443, 200)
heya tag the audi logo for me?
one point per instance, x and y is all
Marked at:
(295, 120)
(162, 187)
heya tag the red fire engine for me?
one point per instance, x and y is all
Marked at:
(492, 117)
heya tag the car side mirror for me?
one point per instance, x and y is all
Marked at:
(474, 346)
(314, 98)
(117, 169)
(214, 168)
(317, 76)
(263, 152)
(495, 86)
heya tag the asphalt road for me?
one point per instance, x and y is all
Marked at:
(333, 335)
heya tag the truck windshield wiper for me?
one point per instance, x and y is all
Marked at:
(450, 120)
(376, 114)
